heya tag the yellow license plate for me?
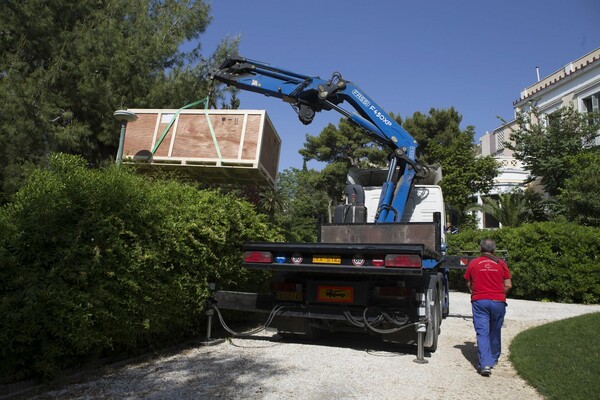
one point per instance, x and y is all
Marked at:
(327, 260)
(335, 294)
(288, 296)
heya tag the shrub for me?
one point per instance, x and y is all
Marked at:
(101, 261)
(548, 260)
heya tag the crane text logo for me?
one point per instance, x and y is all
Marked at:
(380, 115)
(367, 103)
(361, 98)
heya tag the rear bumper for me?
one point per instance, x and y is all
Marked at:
(303, 253)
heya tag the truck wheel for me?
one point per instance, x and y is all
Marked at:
(444, 303)
(434, 329)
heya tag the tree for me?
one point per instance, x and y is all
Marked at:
(539, 208)
(438, 127)
(341, 147)
(509, 209)
(305, 204)
(67, 66)
(271, 201)
(442, 141)
(544, 143)
(580, 197)
(344, 143)
(234, 101)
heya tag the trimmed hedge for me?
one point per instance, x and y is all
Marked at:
(549, 261)
(96, 262)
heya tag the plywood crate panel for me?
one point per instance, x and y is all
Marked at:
(245, 147)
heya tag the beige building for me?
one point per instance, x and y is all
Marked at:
(577, 84)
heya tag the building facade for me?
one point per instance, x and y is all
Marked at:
(577, 84)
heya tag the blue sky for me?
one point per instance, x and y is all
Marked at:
(408, 56)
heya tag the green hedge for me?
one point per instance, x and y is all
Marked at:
(549, 261)
(94, 262)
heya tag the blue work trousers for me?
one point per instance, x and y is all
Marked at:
(488, 317)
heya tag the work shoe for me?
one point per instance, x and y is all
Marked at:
(486, 371)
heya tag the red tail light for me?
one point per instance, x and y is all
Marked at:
(403, 260)
(258, 257)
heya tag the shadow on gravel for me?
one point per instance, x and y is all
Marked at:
(192, 374)
(469, 351)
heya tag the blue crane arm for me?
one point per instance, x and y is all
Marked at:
(309, 95)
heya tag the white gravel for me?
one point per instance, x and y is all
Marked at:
(340, 367)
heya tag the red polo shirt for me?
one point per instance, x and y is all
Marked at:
(487, 278)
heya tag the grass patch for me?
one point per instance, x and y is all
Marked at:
(560, 359)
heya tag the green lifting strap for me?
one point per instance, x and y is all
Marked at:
(210, 127)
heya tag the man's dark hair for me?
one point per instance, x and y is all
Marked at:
(488, 246)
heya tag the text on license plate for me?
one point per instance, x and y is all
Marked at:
(288, 296)
(327, 260)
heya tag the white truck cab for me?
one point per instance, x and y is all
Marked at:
(424, 200)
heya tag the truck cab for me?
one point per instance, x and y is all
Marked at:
(423, 201)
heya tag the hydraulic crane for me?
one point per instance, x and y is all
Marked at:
(378, 278)
(309, 95)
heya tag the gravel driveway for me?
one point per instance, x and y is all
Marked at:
(340, 367)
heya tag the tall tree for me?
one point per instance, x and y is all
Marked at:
(67, 66)
(442, 141)
(439, 127)
(341, 147)
(544, 143)
(344, 143)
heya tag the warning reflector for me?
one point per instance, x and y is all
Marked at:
(335, 294)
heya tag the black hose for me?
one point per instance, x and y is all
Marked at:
(401, 324)
(272, 315)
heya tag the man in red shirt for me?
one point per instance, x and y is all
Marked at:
(488, 280)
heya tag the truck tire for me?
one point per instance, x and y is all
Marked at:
(433, 329)
(443, 302)
(444, 299)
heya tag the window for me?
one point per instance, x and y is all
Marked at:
(490, 222)
(500, 140)
(591, 104)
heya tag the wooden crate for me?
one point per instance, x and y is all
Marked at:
(244, 150)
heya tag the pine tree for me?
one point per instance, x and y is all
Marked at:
(67, 66)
